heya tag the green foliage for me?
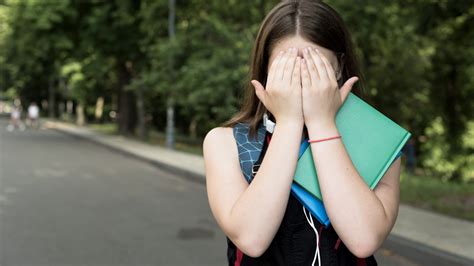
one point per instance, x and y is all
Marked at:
(210, 80)
(394, 58)
(439, 162)
(417, 57)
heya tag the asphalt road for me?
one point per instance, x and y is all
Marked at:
(67, 201)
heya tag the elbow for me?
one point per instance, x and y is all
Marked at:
(252, 246)
(364, 248)
(363, 252)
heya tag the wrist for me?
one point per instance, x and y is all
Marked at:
(322, 130)
(289, 121)
(290, 125)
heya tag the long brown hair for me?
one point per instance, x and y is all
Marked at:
(315, 21)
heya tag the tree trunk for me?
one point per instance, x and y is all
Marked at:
(126, 104)
(193, 128)
(170, 142)
(142, 132)
(99, 109)
(80, 117)
(170, 124)
(51, 98)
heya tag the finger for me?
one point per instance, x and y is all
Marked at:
(319, 64)
(347, 87)
(312, 70)
(290, 65)
(296, 78)
(305, 78)
(329, 69)
(259, 90)
(281, 66)
(273, 67)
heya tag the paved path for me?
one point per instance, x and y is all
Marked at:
(66, 201)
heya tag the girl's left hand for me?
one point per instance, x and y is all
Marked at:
(320, 91)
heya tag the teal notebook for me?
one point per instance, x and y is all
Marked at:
(371, 139)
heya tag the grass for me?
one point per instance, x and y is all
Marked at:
(109, 129)
(453, 199)
(182, 143)
(450, 198)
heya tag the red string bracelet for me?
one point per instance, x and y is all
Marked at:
(319, 140)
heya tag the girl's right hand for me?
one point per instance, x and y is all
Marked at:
(282, 95)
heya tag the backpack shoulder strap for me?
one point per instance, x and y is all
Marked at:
(249, 148)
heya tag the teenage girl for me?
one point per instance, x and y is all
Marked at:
(303, 67)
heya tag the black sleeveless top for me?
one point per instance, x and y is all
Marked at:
(295, 241)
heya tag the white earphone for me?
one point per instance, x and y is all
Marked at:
(268, 124)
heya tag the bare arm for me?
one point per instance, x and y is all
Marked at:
(362, 218)
(250, 215)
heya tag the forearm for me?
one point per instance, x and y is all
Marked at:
(355, 211)
(257, 214)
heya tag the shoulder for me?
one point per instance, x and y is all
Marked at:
(218, 135)
(219, 142)
(221, 159)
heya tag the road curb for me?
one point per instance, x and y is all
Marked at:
(424, 254)
(182, 173)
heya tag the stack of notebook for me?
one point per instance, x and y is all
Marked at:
(373, 142)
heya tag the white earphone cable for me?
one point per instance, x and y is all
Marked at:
(311, 223)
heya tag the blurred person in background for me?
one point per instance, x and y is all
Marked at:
(33, 115)
(15, 117)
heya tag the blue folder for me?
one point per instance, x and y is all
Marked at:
(310, 202)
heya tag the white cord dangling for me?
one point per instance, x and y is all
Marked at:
(311, 223)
